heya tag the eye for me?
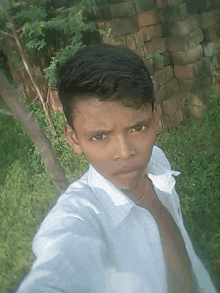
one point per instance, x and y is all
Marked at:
(140, 127)
(97, 136)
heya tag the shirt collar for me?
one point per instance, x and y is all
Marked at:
(116, 202)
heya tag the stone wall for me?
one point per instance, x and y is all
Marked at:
(186, 36)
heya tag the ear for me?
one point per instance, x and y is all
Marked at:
(157, 115)
(71, 138)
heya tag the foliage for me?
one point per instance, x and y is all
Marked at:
(150, 57)
(106, 35)
(42, 25)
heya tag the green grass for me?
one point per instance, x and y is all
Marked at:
(193, 150)
(26, 192)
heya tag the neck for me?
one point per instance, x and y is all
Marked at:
(136, 194)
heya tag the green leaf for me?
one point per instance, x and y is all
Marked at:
(9, 24)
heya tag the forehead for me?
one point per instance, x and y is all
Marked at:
(93, 114)
(101, 111)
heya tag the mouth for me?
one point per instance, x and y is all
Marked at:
(133, 173)
(128, 173)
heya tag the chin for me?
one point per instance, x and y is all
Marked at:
(127, 183)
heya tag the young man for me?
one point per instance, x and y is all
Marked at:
(119, 227)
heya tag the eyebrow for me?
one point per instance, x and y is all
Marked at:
(103, 131)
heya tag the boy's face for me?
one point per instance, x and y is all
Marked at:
(114, 139)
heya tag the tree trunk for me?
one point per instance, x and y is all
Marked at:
(12, 98)
(27, 67)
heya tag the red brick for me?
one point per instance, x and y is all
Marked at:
(145, 33)
(54, 100)
(216, 87)
(143, 5)
(195, 99)
(165, 75)
(216, 76)
(158, 62)
(211, 48)
(150, 66)
(155, 31)
(102, 13)
(159, 109)
(165, 121)
(185, 42)
(216, 61)
(101, 25)
(176, 118)
(122, 40)
(167, 90)
(121, 10)
(195, 85)
(197, 111)
(187, 57)
(210, 18)
(183, 27)
(159, 45)
(210, 66)
(160, 127)
(151, 31)
(212, 63)
(139, 39)
(111, 41)
(167, 58)
(165, 3)
(196, 105)
(131, 42)
(155, 46)
(211, 4)
(147, 18)
(174, 103)
(172, 13)
(190, 71)
(120, 27)
(140, 52)
(200, 97)
(162, 3)
(155, 83)
(212, 33)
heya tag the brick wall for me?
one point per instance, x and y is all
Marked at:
(185, 33)
(188, 37)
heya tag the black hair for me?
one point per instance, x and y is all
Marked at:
(107, 72)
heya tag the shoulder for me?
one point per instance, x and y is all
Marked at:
(159, 157)
(75, 210)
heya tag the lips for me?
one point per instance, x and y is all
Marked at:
(125, 171)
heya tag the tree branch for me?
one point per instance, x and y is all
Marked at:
(8, 35)
(6, 112)
(12, 98)
(26, 65)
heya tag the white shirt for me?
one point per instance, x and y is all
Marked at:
(97, 240)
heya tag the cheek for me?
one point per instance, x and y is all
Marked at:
(95, 153)
(146, 141)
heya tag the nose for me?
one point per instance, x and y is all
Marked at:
(123, 149)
